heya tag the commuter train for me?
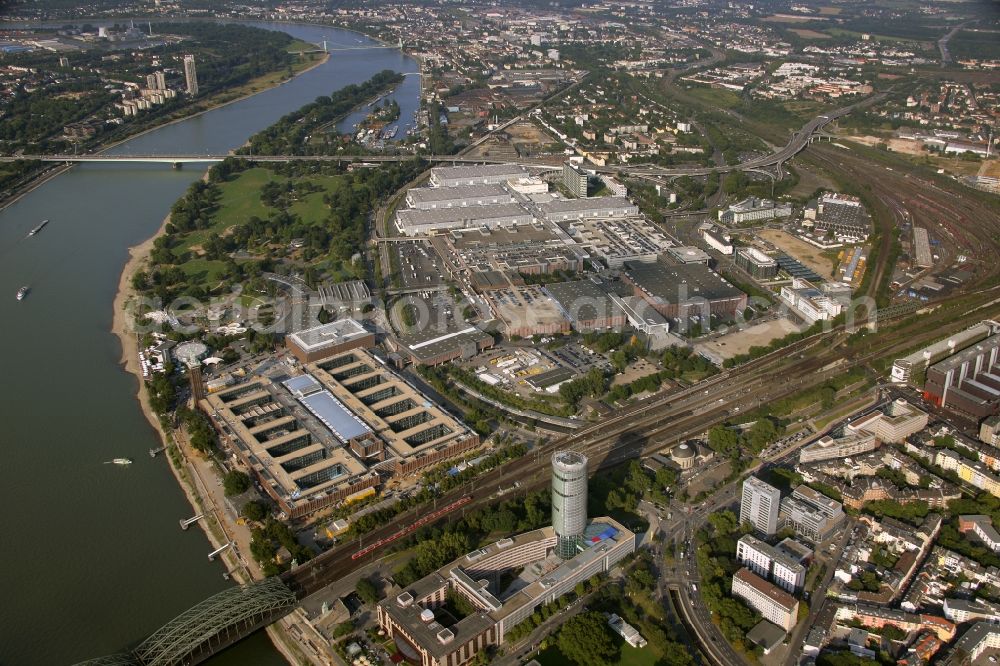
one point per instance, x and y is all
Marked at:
(416, 525)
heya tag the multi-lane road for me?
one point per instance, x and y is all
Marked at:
(796, 143)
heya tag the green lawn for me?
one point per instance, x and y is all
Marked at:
(240, 201)
(629, 656)
(714, 97)
(840, 32)
(300, 45)
(206, 271)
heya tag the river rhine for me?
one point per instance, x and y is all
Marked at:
(93, 559)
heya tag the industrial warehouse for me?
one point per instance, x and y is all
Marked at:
(688, 290)
(489, 174)
(839, 215)
(492, 196)
(342, 426)
(415, 221)
(586, 305)
(545, 563)
(619, 241)
(529, 250)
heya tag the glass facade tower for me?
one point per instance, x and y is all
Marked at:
(569, 500)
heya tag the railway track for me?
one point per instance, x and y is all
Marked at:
(963, 222)
(640, 430)
(650, 426)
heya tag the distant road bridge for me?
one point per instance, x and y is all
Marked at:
(208, 159)
(796, 143)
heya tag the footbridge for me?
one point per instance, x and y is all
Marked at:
(210, 627)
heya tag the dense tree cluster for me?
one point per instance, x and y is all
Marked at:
(952, 539)
(594, 384)
(716, 564)
(632, 598)
(254, 510)
(587, 640)
(636, 483)
(201, 434)
(235, 483)
(161, 391)
(911, 512)
(291, 134)
(267, 539)
(367, 590)
(436, 547)
(231, 54)
(728, 442)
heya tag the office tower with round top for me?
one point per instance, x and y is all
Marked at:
(569, 500)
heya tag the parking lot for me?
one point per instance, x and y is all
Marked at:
(576, 358)
(419, 264)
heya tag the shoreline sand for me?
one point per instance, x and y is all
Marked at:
(186, 475)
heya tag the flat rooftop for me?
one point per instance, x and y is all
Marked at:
(406, 610)
(969, 353)
(523, 234)
(479, 171)
(758, 257)
(766, 635)
(817, 499)
(432, 344)
(583, 300)
(688, 254)
(769, 590)
(295, 455)
(589, 204)
(341, 422)
(352, 291)
(620, 239)
(752, 203)
(431, 195)
(595, 548)
(638, 310)
(419, 217)
(326, 335)
(408, 423)
(294, 433)
(772, 552)
(674, 284)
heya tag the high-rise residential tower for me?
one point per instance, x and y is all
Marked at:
(569, 500)
(760, 505)
(191, 74)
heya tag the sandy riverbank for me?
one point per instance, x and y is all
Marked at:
(188, 468)
(189, 478)
(123, 326)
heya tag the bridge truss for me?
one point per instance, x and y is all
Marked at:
(210, 626)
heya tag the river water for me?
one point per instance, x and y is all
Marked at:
(92, 558)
